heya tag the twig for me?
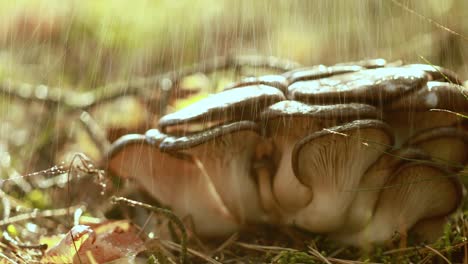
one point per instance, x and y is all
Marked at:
(175, 246)
(167, 213)
(163, 83)
(438, 254)
(97, 134)
(37, 213)
(317, 254)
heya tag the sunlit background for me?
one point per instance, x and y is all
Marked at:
(87, 43)
(83, 45)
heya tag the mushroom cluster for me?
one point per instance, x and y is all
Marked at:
(351, 150)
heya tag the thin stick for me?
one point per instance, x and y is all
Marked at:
(36, 214)
(175, 246)
(137, 86)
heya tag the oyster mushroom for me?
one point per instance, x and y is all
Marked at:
(287, 122)
(175, 180)
(332, 163)
(374, 86)
(362, 208)
(415, 192)
(412, 113)
(227, 154)
(448, 145)
(243, 103)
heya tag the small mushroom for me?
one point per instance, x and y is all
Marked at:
(287, 122)
(244, 103)
(412, 113)
(175, 180)
(227, 153)
(415, 192)
(332, 163)
(374, 86)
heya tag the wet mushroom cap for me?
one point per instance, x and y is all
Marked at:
(374, 86)
(434, 94)
(277, 81)
(319, 71)
(293, 118)
(437, 73)
(368, 64)
(426, 108)
(244, 103)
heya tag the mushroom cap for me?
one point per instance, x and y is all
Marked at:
(368, 64)
(412, 114)
(293, 117)
(332, 163)
(434, 94)
(278, 81)
(319, 71)
(437, 73)
(243, 103)
(374, 86)
(172, 179)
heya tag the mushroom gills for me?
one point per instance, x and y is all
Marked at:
(332, 163)
(175, 182)
(414, 193)
(448, 146)
(362, 208)
(227, 154)
(289, 121)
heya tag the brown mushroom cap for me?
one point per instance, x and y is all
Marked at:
(319, 71)
(277, 81)
(332, 163)
(412, 113)
(437, 73)
(368, 64)
(226, 154)
(287, 122)
(243, 103)
(174, 181)
(375, 86)
(414, 193)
